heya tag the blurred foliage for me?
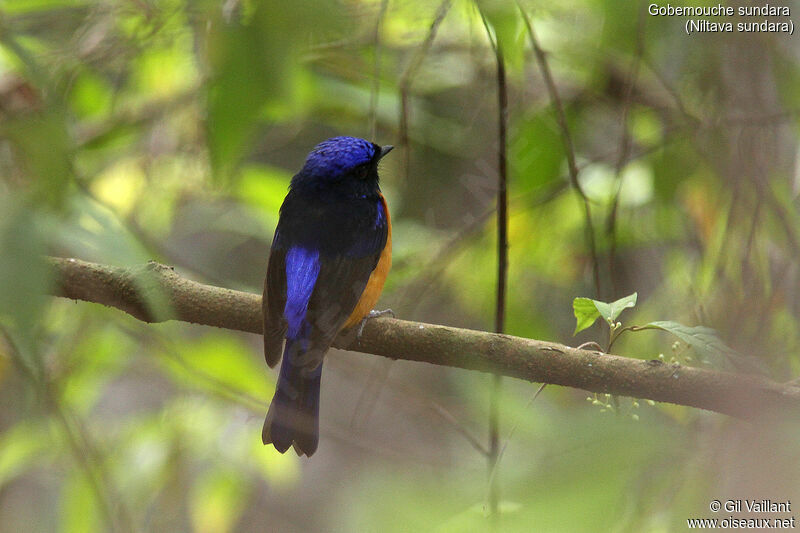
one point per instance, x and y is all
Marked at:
(133, 130)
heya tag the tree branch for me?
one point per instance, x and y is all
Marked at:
(134, 289)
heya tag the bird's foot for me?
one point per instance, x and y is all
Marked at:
(373, 314)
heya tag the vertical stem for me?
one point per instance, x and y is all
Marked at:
(494, 443)
(502, 196)
(625, 144)
(502, 273)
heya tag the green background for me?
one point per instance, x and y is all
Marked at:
(133, 130)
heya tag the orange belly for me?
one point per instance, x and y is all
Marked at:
(376, 280)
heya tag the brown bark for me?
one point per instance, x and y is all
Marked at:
(155, 293)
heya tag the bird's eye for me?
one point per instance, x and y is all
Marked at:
(361, 171)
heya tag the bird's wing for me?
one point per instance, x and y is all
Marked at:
(339, 287)
(347, 247)
(272, 305)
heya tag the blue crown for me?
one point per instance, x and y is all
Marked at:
(338, 155)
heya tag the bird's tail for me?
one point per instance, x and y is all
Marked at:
(293, 416)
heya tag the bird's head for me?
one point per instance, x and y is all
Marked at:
(342, 163)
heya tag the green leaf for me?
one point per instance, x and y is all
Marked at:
(255, 68)
(703, 339)
(587, 310)
(24, 274)
(503, 18)
(536, 152)
(612, 311)
(91, 95)
(585, 313)
(48, 163)
(243, 82)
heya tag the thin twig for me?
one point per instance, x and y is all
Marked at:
(411, 394)
(502, 264)
(449, 418)
(420, 287)
(512, 431)
(88, 459)
(376, 81)
(569, 148)
(502, 274)
(404, 84)
(375, 382)
(91, 132)
(624, 152)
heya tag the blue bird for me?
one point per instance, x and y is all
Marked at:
(327, 265)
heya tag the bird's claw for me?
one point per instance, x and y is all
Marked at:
(373, 314)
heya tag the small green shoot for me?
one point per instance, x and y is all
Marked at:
(587, 311)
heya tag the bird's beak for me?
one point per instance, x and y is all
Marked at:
(385, 150)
